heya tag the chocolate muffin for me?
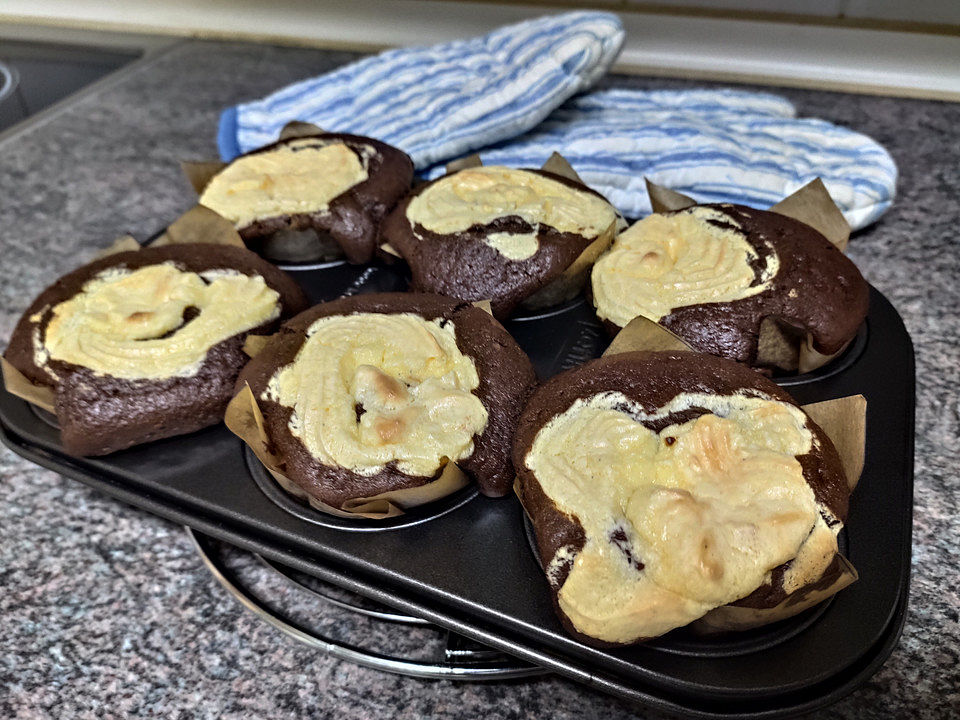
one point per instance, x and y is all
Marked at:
(337, 186)
(714, 274)
(664, 485)
(374, 393)
(501, 234)
(144, 345)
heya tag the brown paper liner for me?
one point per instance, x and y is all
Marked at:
(844, 422)
(471, 161)
(594, 250)
(17, 384)
(572, 280)
(644, 334)
(666, 200)
(785, 347)
(813, 205)
(244, 419)
(559, 165)
(781, 345)
(297, 129)
(124, 243)
(197, 225)
(484, 305)
(569, 284)
(199, 173)
(255, 343)
(200, 224)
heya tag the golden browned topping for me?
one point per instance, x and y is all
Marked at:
(301, 176)
(480, 195)
(368, 389)
(669, 261)
(677, 522)
(154, 322)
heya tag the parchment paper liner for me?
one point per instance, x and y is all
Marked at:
(571, 282)
(17, 384)
(245, 420)
(844, 422)
(567, 285)
(198, 224)
(781, 345)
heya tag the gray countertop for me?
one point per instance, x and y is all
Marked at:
(106, 611)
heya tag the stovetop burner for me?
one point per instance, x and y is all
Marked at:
(9, 79)
(35, 75)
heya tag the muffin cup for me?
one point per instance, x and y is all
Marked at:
(296, 243)
(244, 418)
(571, 282)
(781, 345)
(844, 422)
(197, 225)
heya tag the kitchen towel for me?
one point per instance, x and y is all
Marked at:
(713, 145)
(438, 102)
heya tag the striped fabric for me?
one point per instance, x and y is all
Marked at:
(439, 102)
(713, 145)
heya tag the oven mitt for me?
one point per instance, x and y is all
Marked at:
(435, 103)
(713, 145)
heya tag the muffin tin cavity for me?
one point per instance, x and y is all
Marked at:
(301, 509)
(844, 361)
(46, 417)
(327, 281)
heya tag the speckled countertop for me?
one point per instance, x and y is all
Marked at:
(106, 611)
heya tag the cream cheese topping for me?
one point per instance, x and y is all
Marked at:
(706, 507)
(519, 246)
(131, 324)
(668, 261)
(480, 195)
(301, 176)
(368, 389)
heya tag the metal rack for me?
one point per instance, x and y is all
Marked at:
(462, 659)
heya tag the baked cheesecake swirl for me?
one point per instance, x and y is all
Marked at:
(154, 322)
(686, 258)
(368, 389)
(479, 196)
(296, 177)
(676, 522)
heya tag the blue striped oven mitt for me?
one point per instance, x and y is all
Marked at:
(435, 103)
(513, 96)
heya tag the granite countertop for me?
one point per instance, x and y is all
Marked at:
(106, 611)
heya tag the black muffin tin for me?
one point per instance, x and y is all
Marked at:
(466, 563)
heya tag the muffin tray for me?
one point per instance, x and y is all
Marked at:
(466, 562)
